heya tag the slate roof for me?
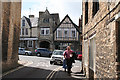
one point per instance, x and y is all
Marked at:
(32, 22)
(28, 20)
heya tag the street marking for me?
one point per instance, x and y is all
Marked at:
(4, 74)
(52, 73)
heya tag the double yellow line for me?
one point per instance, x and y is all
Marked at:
(49, 77)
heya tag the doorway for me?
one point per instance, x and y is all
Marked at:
(44, 44)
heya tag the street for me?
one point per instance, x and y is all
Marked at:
(40, 68)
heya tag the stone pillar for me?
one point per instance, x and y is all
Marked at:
(52, 47)
(11, 17)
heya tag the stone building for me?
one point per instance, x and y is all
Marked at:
(28, 34)
(10, 15)
(46, 24)
(66, 34)
(101, 35)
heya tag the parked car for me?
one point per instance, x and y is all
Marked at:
(79, 55)
(43, 52)
(28, 52)
(23, 51)
(57, 57)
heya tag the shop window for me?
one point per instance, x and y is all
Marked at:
(30, 43)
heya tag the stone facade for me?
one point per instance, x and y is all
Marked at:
(100, 45)
(29, 36)
(10, 15)
(46, 24)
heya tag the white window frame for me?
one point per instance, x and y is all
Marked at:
(75, 32)
(58, 33)
(23, 31)
(41, 31)
(92, 53)
(23, 21)
(45, 29)
(67, 32)
(26, 30)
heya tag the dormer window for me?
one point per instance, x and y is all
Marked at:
(23, 22)
(46, 20)
(95, 7)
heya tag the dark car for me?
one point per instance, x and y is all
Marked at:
(43, 52)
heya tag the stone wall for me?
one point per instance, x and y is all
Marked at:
(101, 27)
(11, 16)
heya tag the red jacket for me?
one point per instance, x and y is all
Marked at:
(67, 53)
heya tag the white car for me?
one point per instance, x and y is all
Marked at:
(28, 52)
(57, 57)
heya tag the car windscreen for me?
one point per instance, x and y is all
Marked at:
(78, 53)
(58, 53)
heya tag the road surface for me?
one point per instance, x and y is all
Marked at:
(40, 68)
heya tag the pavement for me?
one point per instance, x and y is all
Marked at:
(77, 72)
(75, 75)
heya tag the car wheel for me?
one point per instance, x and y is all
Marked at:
(51, 62)
(49, 55)
(38, 54)
(26, 53)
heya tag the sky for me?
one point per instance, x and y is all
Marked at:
(71, 7)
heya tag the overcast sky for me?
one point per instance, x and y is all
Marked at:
(71, 7)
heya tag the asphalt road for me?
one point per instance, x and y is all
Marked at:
(39, 68)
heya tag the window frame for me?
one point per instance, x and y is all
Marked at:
(23, 31)
(67, 33)
(45, 31)
(59, 33)
(23, 23)
(26, 31)
(30, 45)
(72, 34)
(95, 7)
(86, 12)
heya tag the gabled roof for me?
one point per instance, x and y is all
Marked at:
(71, 22)
(46, 11)
(28, 20)
(32, 22)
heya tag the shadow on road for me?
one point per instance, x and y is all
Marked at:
(33, 73)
